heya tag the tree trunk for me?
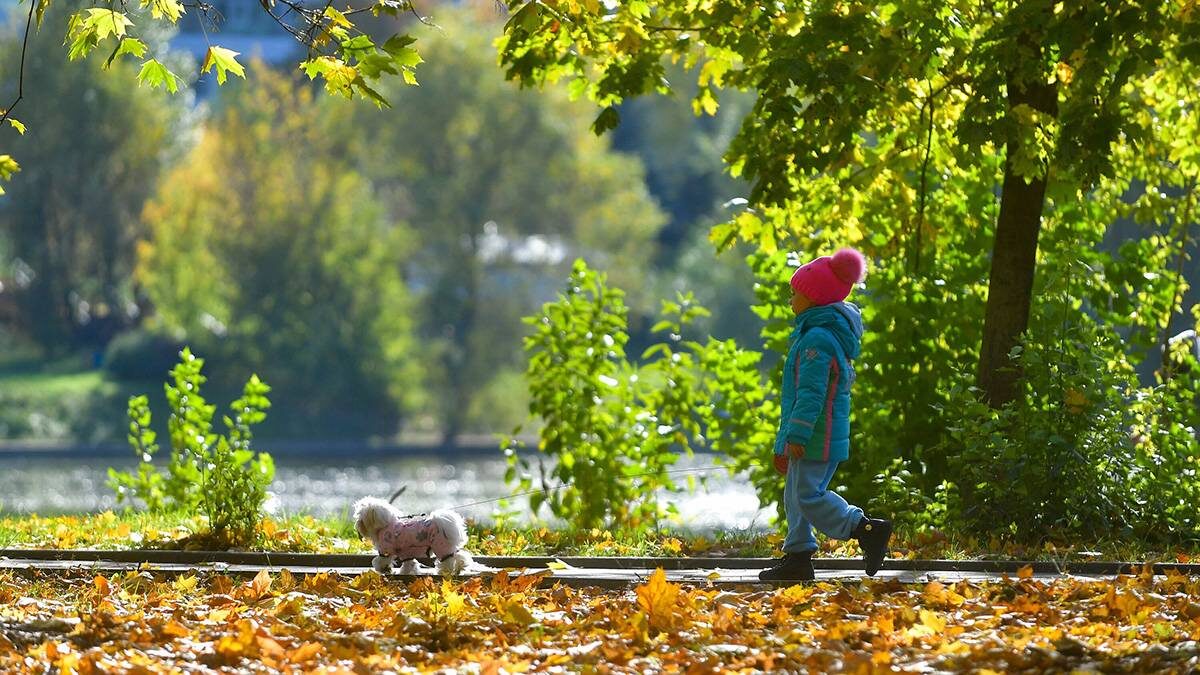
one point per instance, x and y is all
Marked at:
(1014, 257)
(459, 361)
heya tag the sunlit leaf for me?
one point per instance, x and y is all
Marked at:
(155, 74)
(225, 61)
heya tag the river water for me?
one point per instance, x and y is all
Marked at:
(49, 485)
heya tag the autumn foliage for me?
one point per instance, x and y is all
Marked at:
(142, 622)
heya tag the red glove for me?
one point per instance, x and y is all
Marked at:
(781, 464)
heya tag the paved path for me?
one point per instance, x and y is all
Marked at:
(604, 572)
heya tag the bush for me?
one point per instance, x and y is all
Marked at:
(898, 494)
(1166, 418)
(140, 355)
(1059, 460)
(612, 428)
(217, 475)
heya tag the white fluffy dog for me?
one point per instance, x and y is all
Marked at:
(440, 535)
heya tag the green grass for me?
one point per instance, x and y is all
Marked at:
(126, 530)
(56, 384)
(57, 402)
(67, 400)
(303, 533)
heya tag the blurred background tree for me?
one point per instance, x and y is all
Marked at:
(504, 188)
(285, 267)
(456, 211)
(70, 217)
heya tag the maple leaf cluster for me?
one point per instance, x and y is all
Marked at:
(142, 622)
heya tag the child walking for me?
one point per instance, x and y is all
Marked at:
(814, 426)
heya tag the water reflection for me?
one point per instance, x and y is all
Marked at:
(48, 485)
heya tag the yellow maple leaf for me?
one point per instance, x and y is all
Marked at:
(933, 621)
(175, 629)
(796, 593)
(287, 580)
(456, 603)
(516, 612)
(185, 584)
(269, 646)
(240, 643)
(305, 652)
(657, 598)
(260, 585)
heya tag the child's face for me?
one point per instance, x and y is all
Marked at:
(800, 302)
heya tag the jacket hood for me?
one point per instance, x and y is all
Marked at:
(843, 319)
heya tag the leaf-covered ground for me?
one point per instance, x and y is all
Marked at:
(306, 534)
(139, 622)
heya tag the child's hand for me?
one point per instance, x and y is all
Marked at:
(781, 462)
(795, 451)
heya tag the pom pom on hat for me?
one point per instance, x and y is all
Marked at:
(829, 279)
(849, 265)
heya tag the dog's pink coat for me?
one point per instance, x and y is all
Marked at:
(413, 538)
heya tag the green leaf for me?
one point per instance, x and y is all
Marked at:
(406, 56)
(40, 12)
(127, 46)
(389, 7)
(398, 42)
(156, 75)
(170, 9)
(337, 18)
(107, 22)
(608, 119)
(340, 78)
(369, 93)
(225, 62)
(318, 66)
(16, 124)
(372, 65)
(357, 45)
(86, 29)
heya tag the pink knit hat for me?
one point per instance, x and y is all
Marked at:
(828, 279)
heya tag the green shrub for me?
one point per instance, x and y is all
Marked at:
(217, 475)
(1166, 418)
(899, 495)
(1059, 460)
(613, 429)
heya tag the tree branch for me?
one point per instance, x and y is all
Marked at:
(924, 182)
(21, 69)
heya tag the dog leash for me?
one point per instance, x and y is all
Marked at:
(548, 490)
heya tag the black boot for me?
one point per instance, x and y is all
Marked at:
(792, 567)
(873, 535)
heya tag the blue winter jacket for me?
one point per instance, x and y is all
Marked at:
(815, 410)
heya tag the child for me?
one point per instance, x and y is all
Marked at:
(814, 429)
